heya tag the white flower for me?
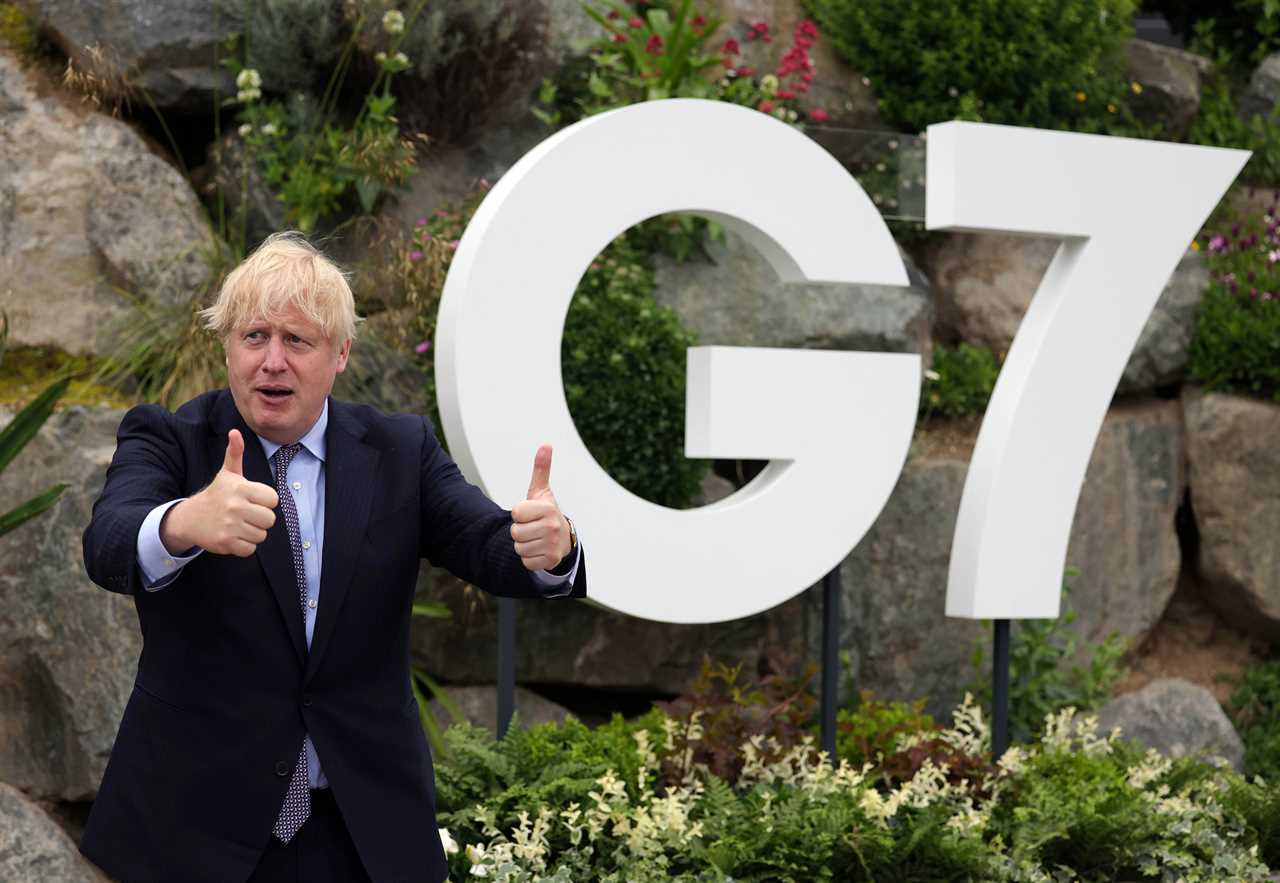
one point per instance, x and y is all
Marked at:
(247, 95)
(380, 57)
(932, 375)
(769, 84)
(476, 855)
(446, 840)
(245, 130)
(393, 21)
(248, 79)
(1274, 256)
(269, 129)
(402, 59)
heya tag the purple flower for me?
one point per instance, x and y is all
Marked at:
(415, 255)
(421, 222)
(453, 246)
(1217, 244)
(422, 347)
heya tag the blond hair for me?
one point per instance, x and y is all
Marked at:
(285, 270)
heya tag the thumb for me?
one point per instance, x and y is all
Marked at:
(234, 461)
(541, 478)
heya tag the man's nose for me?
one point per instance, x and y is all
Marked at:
(274, 359)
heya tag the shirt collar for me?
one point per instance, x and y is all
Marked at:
(313, 441)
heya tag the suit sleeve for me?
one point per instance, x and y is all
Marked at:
(470, 535)
(145, 471)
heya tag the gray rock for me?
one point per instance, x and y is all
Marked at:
(33, 849)
(1263, 94)
(68, 650)
(736, 299)
(1175, 717)
(168, 49)
(479, 706)
(87, 212)
(1161, 355)
(984, 284)
(586, 645)
(1123, 540)
(1235, 494)
(1171, 80)
(893, 589)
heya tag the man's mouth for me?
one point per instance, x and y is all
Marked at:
(275, 392)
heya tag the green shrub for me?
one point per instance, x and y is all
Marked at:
(1046, 672)
(1218, 123)
(960, 382)
(1075, 806)
(1236, 345)
(1020, 62)
(1255, 709)
(1243, 31)
(873, 730)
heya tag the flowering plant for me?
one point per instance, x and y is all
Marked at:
(664, 49)
(564, 803)
(1238, 330)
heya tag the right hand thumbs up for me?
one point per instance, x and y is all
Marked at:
(229, 517)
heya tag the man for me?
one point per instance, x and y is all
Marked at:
(271, 539)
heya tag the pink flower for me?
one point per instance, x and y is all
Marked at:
(634, 23)
(730, 47)
(421, 222)
(765, 106)
(453, 246)
(422, 347)
(618, 38)
(654, 46)
(415, 256)
(1217, 244)
(818, 115)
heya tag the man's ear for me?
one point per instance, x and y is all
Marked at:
(343, 354)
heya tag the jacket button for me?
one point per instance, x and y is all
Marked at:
(306, 702)
(283, 768)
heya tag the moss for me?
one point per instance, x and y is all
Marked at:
(25, 371)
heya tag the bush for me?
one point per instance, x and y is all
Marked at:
(1247, 30)
(1255, 709)
(960, 382)
(1236, 346)
(1218, 123)
(1075, 806)
(872, 729)
(1020, 62)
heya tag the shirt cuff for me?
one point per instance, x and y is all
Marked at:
(556, 585)
(159, 568)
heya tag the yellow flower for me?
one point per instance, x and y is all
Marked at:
(1136, 87)
(1081, 97)
(1195, 245)
(1111, 108)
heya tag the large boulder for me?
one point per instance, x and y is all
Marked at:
(1175, 717)
(1235, 494)
(169, 50)
(735, 299)
(586, 645)
(1263, 94)
(893, 587)
(479, 707)
(68, 650)
(87, 212)
(984, 284)
(33, 849)
(1171, 80)
(1123, 539)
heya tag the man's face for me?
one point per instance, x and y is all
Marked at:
(281, 372)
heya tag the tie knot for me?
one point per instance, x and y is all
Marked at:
(283, 456)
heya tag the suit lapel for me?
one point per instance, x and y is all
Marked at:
(274, 553)
(350, 467)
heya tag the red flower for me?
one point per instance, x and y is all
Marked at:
(819, 115)
(765, 106)
(730, 47)
(807, 29)
(785, 95)
(808, 78)
(618, 38)
(613, 13)
(654, 46)
(698, 21)
(746, 71)
(634, 22)
(801, 87)
(760, 28)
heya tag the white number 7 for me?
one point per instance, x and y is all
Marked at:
(1126, 211)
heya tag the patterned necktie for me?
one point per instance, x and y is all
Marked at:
(297, 800)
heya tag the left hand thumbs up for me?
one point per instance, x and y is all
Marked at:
(539, 531)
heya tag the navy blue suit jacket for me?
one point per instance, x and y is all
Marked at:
(225, 683)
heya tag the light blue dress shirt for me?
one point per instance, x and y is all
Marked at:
(306, 483)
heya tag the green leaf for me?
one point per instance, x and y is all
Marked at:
(432, 610)
(30, 509)
(24, 426)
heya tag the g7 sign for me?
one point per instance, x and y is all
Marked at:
(835, 426)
